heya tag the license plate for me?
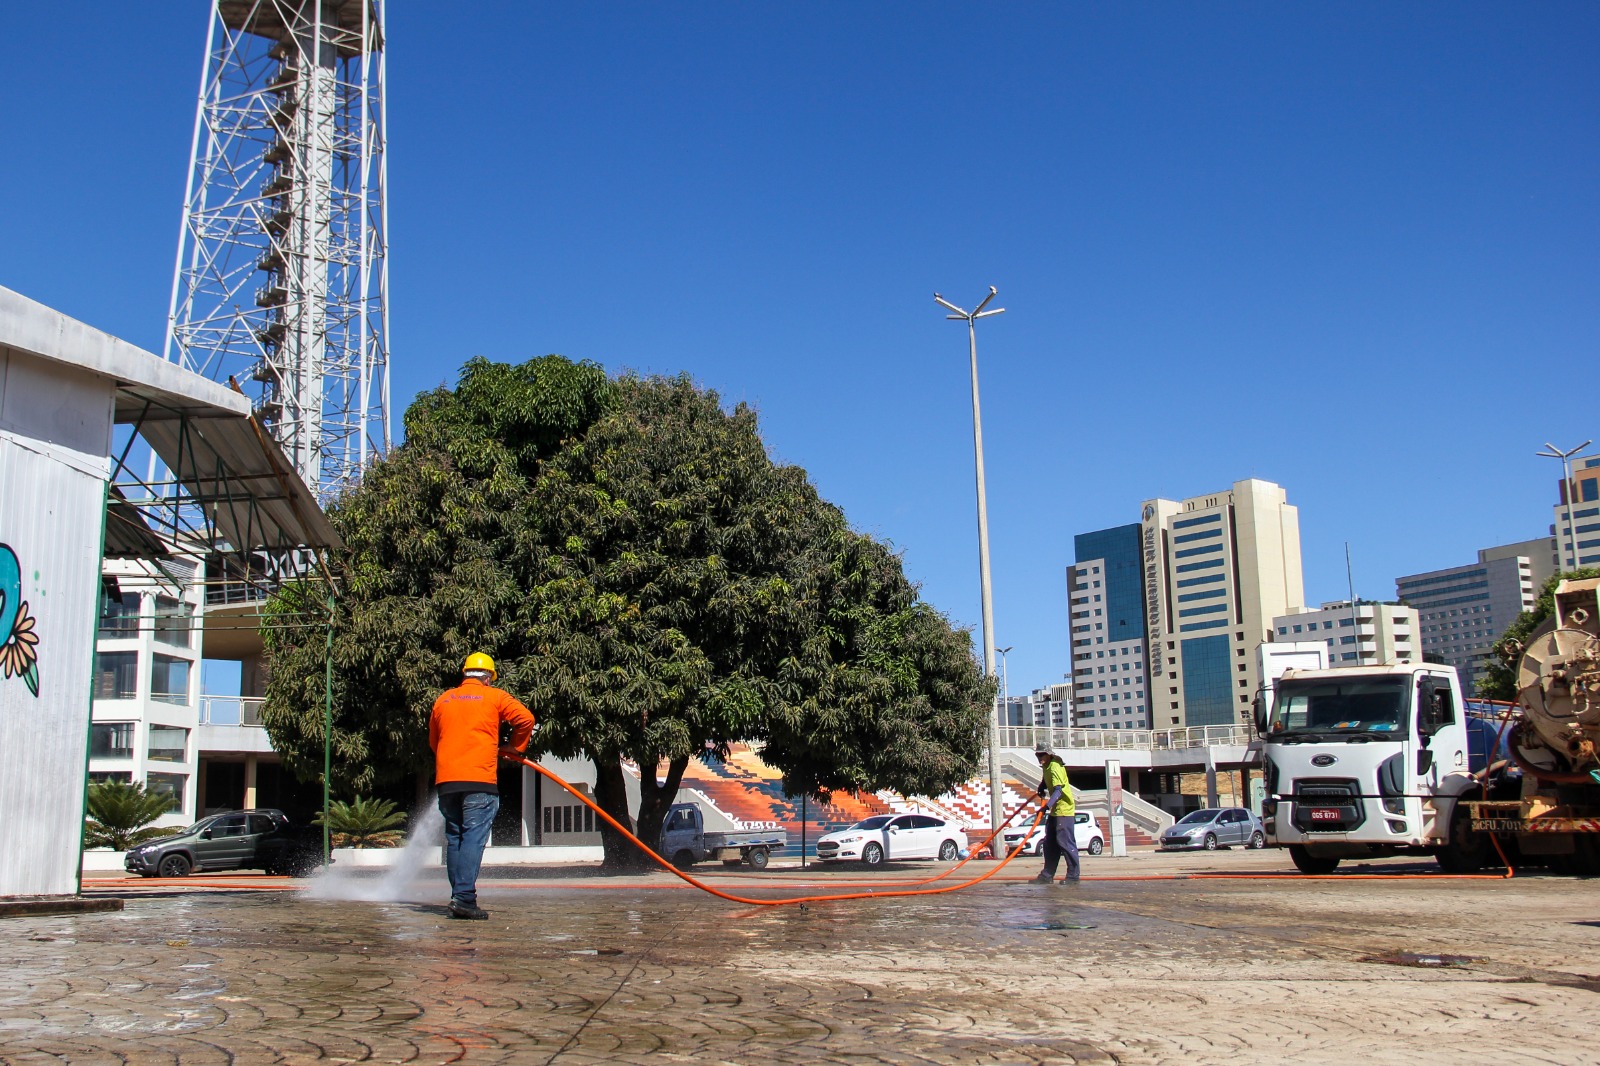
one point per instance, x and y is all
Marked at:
(1324, 814)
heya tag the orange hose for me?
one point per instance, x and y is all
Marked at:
(665, 865)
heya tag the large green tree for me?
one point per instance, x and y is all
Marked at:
(654, 586)
(1499, 680)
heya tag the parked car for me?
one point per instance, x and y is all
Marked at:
(1086, 831)
(876, 840)
(261, 839)
(1215, 827)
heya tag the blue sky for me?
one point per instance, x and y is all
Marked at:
(1348, 248)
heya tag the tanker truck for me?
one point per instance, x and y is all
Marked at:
(1551, 739)
(1391, 760)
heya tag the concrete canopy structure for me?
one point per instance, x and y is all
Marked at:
(64, 386)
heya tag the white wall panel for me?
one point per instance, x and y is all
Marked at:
(51, 510)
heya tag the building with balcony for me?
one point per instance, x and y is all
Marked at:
(144, 714)
(1369, 634)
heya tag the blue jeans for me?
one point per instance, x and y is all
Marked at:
(468, 817)
(1060, 839)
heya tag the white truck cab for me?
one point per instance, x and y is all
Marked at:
(1364, 761)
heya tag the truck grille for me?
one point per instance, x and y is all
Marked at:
(1327, 806)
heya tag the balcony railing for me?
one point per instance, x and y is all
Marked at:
(231, 710)
(1197, 736)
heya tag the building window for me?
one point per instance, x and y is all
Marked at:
(111, 740)
(116, 675)
(100, 777)
(168, 743)
(119, 620)
(173, 621)
(169, 680)
(167, 784)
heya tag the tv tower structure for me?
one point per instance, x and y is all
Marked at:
(281, 279)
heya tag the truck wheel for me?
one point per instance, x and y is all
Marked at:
(948, 851)
(175, 865)
(1211, 842)
(1258, 840)
(683, 859)
(1096, 846)
(1308, 863)
(872, 855)
(756, 857)
(1467, 851)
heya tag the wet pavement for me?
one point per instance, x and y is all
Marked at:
(1137, 969)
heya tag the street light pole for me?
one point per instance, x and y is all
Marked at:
(1005, 678)
(1566, 494)
(996, 802)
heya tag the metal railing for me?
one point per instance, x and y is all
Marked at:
(1195, 736)
(231, 710)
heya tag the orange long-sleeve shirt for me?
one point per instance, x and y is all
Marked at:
(464, 732)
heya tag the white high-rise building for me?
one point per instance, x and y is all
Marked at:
(1217, 570)
(1371, 634)
(1577, 524)
(145, 717)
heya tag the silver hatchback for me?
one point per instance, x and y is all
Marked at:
(1215, 827)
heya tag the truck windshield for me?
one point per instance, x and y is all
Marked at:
(1344, 706)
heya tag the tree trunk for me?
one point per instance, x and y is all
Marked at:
(611, 793)
(655, 800)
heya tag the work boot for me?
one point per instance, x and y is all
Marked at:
(1043, 879)
(1069, 882)
(469, 911)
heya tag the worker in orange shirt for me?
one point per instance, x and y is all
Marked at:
(465, 734)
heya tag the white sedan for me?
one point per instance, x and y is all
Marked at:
(1086, 831)
(874, 841)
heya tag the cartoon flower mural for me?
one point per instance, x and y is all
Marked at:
(19, 644)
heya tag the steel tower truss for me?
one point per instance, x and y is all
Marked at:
(281, 279)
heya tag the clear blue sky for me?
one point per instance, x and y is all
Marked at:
(1349, 248)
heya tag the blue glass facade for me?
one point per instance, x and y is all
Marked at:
(1124, 577)
(1207, 681)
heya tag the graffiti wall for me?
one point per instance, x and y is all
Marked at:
(52, 493)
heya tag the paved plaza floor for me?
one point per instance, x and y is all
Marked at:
(1131, 968)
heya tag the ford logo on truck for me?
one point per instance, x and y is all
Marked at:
(1324, 760)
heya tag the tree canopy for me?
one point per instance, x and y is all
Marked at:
(651, 583)
(1499, 680)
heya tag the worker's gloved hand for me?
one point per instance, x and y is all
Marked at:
(510, 753)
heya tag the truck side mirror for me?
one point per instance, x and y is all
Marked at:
(1260, 707)
(1427, 710)
(1424, 760)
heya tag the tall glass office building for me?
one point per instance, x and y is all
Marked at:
(1105, 596)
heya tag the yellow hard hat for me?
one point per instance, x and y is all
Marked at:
(479, 661)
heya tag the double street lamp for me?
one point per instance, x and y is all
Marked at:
(1570, 536)
(996, 803)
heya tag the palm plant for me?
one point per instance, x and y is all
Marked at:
(118, 813)
(365, 823)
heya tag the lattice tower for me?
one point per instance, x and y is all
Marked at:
(281, 278)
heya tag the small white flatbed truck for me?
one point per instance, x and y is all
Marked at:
(685, 841)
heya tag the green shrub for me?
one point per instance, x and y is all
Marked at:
(365, 823)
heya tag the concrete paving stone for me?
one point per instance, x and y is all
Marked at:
(585, 970)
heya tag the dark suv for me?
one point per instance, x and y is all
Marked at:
(261, 839)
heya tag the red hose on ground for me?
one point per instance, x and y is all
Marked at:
(665, 865)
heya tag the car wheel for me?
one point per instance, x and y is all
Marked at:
(757, 858)
(872, 855)
(175, 865)
(1096, 846)
(1211, 842)
(683, 859)
(948, 851)
(1258, 840)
